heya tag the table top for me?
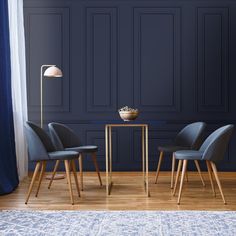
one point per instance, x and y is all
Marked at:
(135, 123)
(127, 125)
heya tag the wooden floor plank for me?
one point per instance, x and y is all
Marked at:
(127, 194)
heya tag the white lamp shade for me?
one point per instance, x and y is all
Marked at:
(53, 71)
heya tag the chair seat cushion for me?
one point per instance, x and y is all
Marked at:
(171, 148)
(188, 155)
(83, 149)
(63, 155)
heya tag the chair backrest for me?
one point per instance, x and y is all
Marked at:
(214, 147)
(39, 143)
(62, 136)
(191, 135)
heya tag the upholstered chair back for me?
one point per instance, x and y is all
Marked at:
(63, 137)
(39, 143)
(191, 135)
(214, 147)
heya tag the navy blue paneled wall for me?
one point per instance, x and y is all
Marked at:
(173, 60)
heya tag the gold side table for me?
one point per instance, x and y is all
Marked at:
(108, 142)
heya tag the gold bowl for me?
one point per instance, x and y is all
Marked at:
(128, 115)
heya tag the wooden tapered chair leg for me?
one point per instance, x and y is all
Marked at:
(94, 157)
(81, 171)
(37, 167)
(199, 171)
(209, 169)
(218, 181)
(172, 171)
(182, 180)
(53, 174)
(177, 176)
(186, 175)
(75, 176)
(158, 166)
(67, 167)
(43, 167)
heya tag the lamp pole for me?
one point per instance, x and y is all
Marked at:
(41, 93)
(53, 72)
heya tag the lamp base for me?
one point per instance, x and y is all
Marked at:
(56, 177)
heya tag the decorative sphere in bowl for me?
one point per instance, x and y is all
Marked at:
(128, 114)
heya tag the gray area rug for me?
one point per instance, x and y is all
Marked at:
(118, 223)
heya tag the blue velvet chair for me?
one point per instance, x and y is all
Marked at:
(190, 137)
(211, 151)
(65, 138)
(41, 150)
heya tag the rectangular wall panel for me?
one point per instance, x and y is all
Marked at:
(212, 58)
(101, 58)
(47, 42)
(157, 59)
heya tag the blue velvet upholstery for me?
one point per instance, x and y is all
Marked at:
(42, 135)
(37, 151)
(190, 137)
(63, 155)
(84, 149)
(41, 147)
(188, 155)
(64, 138)
(172, 148)
(213, 148)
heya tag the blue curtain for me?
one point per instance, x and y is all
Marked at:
(8, 170)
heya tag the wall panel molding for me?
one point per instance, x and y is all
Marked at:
(212, 59)
(101, 39)
(157, 59)
(47, 40)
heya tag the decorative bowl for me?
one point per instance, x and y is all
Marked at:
(128, 115)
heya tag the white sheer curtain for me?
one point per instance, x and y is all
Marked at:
(18, 82)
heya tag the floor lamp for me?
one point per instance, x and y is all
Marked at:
(51, 72)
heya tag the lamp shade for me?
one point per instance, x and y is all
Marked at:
(53, 71)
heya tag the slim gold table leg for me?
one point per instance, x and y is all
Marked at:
(146, 153)
(143, 154)
(110, 156)
(107, 160)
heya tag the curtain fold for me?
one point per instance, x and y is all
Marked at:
(8, 169)
(18, 80)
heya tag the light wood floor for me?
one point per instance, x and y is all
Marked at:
(127, 194)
